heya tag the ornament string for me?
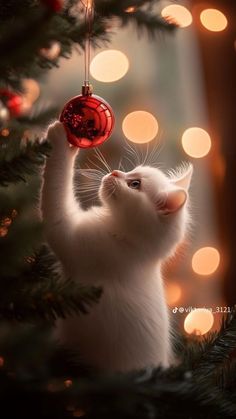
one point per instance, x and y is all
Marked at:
(89, 16)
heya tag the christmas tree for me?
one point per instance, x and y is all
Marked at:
(38, 377)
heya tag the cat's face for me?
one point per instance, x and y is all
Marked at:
(149, 205)
(147, 188)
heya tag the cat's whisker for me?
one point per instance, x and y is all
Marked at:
(111, 192)
(87, 189)
(102, 159)
(130, 161)
(120, 165)
(146, 155)
(156, 152)
(133, 149)
(92, 176)
(152, 154)
(89, 199)
(133, 155)
(87, 170)
(98, 167)
(100, 172)
(93, 192)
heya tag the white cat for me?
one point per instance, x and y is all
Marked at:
(119, 245)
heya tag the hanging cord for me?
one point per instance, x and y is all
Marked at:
(89, 16)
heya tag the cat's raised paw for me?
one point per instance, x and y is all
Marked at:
(56, 135)
(56, 132)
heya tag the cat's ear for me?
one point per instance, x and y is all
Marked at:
(185, 179)
(171, 202)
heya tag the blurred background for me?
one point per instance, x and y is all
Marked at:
(177, 93)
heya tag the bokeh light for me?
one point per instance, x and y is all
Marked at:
(196, 142)
(5, 132)
(52, 52)
(131, 9)
(109, 66)
(177, 14)
(199, 321)
(173, 293)
(31, 90)
(68, 383)
(205, 261)
(140, 127)
(213, 20)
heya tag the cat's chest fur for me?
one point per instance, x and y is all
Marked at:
(127, 329)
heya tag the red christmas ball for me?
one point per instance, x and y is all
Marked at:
(88, 121)
(12, 101)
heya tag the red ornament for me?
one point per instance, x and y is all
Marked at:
(54, 5)
(88, 120)
(12, 101)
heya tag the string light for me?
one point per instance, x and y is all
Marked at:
(68, 383)
(5, 132)
(52, 52)
(78, 413)
(29, 259)
(140, 127)
(109, 66)
(213, 20)
(14, 213)
(175, 13)
(6, 222)
(31, 90)
(196, 142)
(173, 293)
(199, 321)
(3, 231)
(205, 261)
(130, 9)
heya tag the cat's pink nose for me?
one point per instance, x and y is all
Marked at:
(116, 173)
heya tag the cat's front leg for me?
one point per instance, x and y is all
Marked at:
(59, 207)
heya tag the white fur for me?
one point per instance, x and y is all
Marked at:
(120, 246)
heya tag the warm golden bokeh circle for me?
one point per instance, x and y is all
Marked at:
(196, 142)
(109, 66)
(213, 20)
(206, 260)
(173, 293)
(199, 321)
(178, 14)
(140, 127)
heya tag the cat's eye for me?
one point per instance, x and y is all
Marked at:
(134, 184)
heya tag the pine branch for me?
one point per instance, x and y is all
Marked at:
(143, 19)
(40, 293)
(144, 395)
(30, 158)
(50, 301)
(20, 43)
(217, 349)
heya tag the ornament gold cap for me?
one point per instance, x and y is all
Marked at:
(87, 89)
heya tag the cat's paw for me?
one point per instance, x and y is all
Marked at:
(57, 137)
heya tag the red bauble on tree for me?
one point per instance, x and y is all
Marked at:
(88, 120)
(12, 102)
(53, 5)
